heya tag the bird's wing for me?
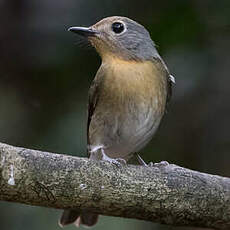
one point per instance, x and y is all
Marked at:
(170, 80)
(169, 90)
(93, 99)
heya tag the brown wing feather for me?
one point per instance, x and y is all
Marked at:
(93, 99)
(169, 90)
(169, 82)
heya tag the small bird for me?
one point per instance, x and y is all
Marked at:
(127, 98)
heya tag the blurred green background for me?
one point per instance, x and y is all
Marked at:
(45, 76)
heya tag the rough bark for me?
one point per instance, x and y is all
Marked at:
(165, 194)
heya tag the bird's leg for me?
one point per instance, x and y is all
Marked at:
(116, 161)
(151, 164)
(140, 160)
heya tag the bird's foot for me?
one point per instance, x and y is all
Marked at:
(119, 161)
(116, 161)
(160, 164)
(151, 164)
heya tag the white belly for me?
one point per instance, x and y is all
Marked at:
(127, 133)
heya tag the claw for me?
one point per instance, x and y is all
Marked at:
(161, 164)
(117, 161)
(120, 161)
(150, 164)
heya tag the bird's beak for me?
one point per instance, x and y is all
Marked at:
(83, 31)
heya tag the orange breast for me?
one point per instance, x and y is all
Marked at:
(142, 81)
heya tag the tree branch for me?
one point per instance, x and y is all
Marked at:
(165, 194)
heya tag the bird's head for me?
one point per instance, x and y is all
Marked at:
(119, 37)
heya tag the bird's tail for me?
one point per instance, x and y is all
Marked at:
(76, 217)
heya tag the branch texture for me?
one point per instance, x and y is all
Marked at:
(165, 194)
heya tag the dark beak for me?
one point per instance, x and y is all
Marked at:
(83, 31)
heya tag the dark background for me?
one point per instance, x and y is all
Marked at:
(45, 76)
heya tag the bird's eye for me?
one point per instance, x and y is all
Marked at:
(118, 27)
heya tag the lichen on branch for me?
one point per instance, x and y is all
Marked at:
(166, 194)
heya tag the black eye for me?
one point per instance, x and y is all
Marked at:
(117, 27)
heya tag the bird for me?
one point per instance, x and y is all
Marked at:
(127, 98)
